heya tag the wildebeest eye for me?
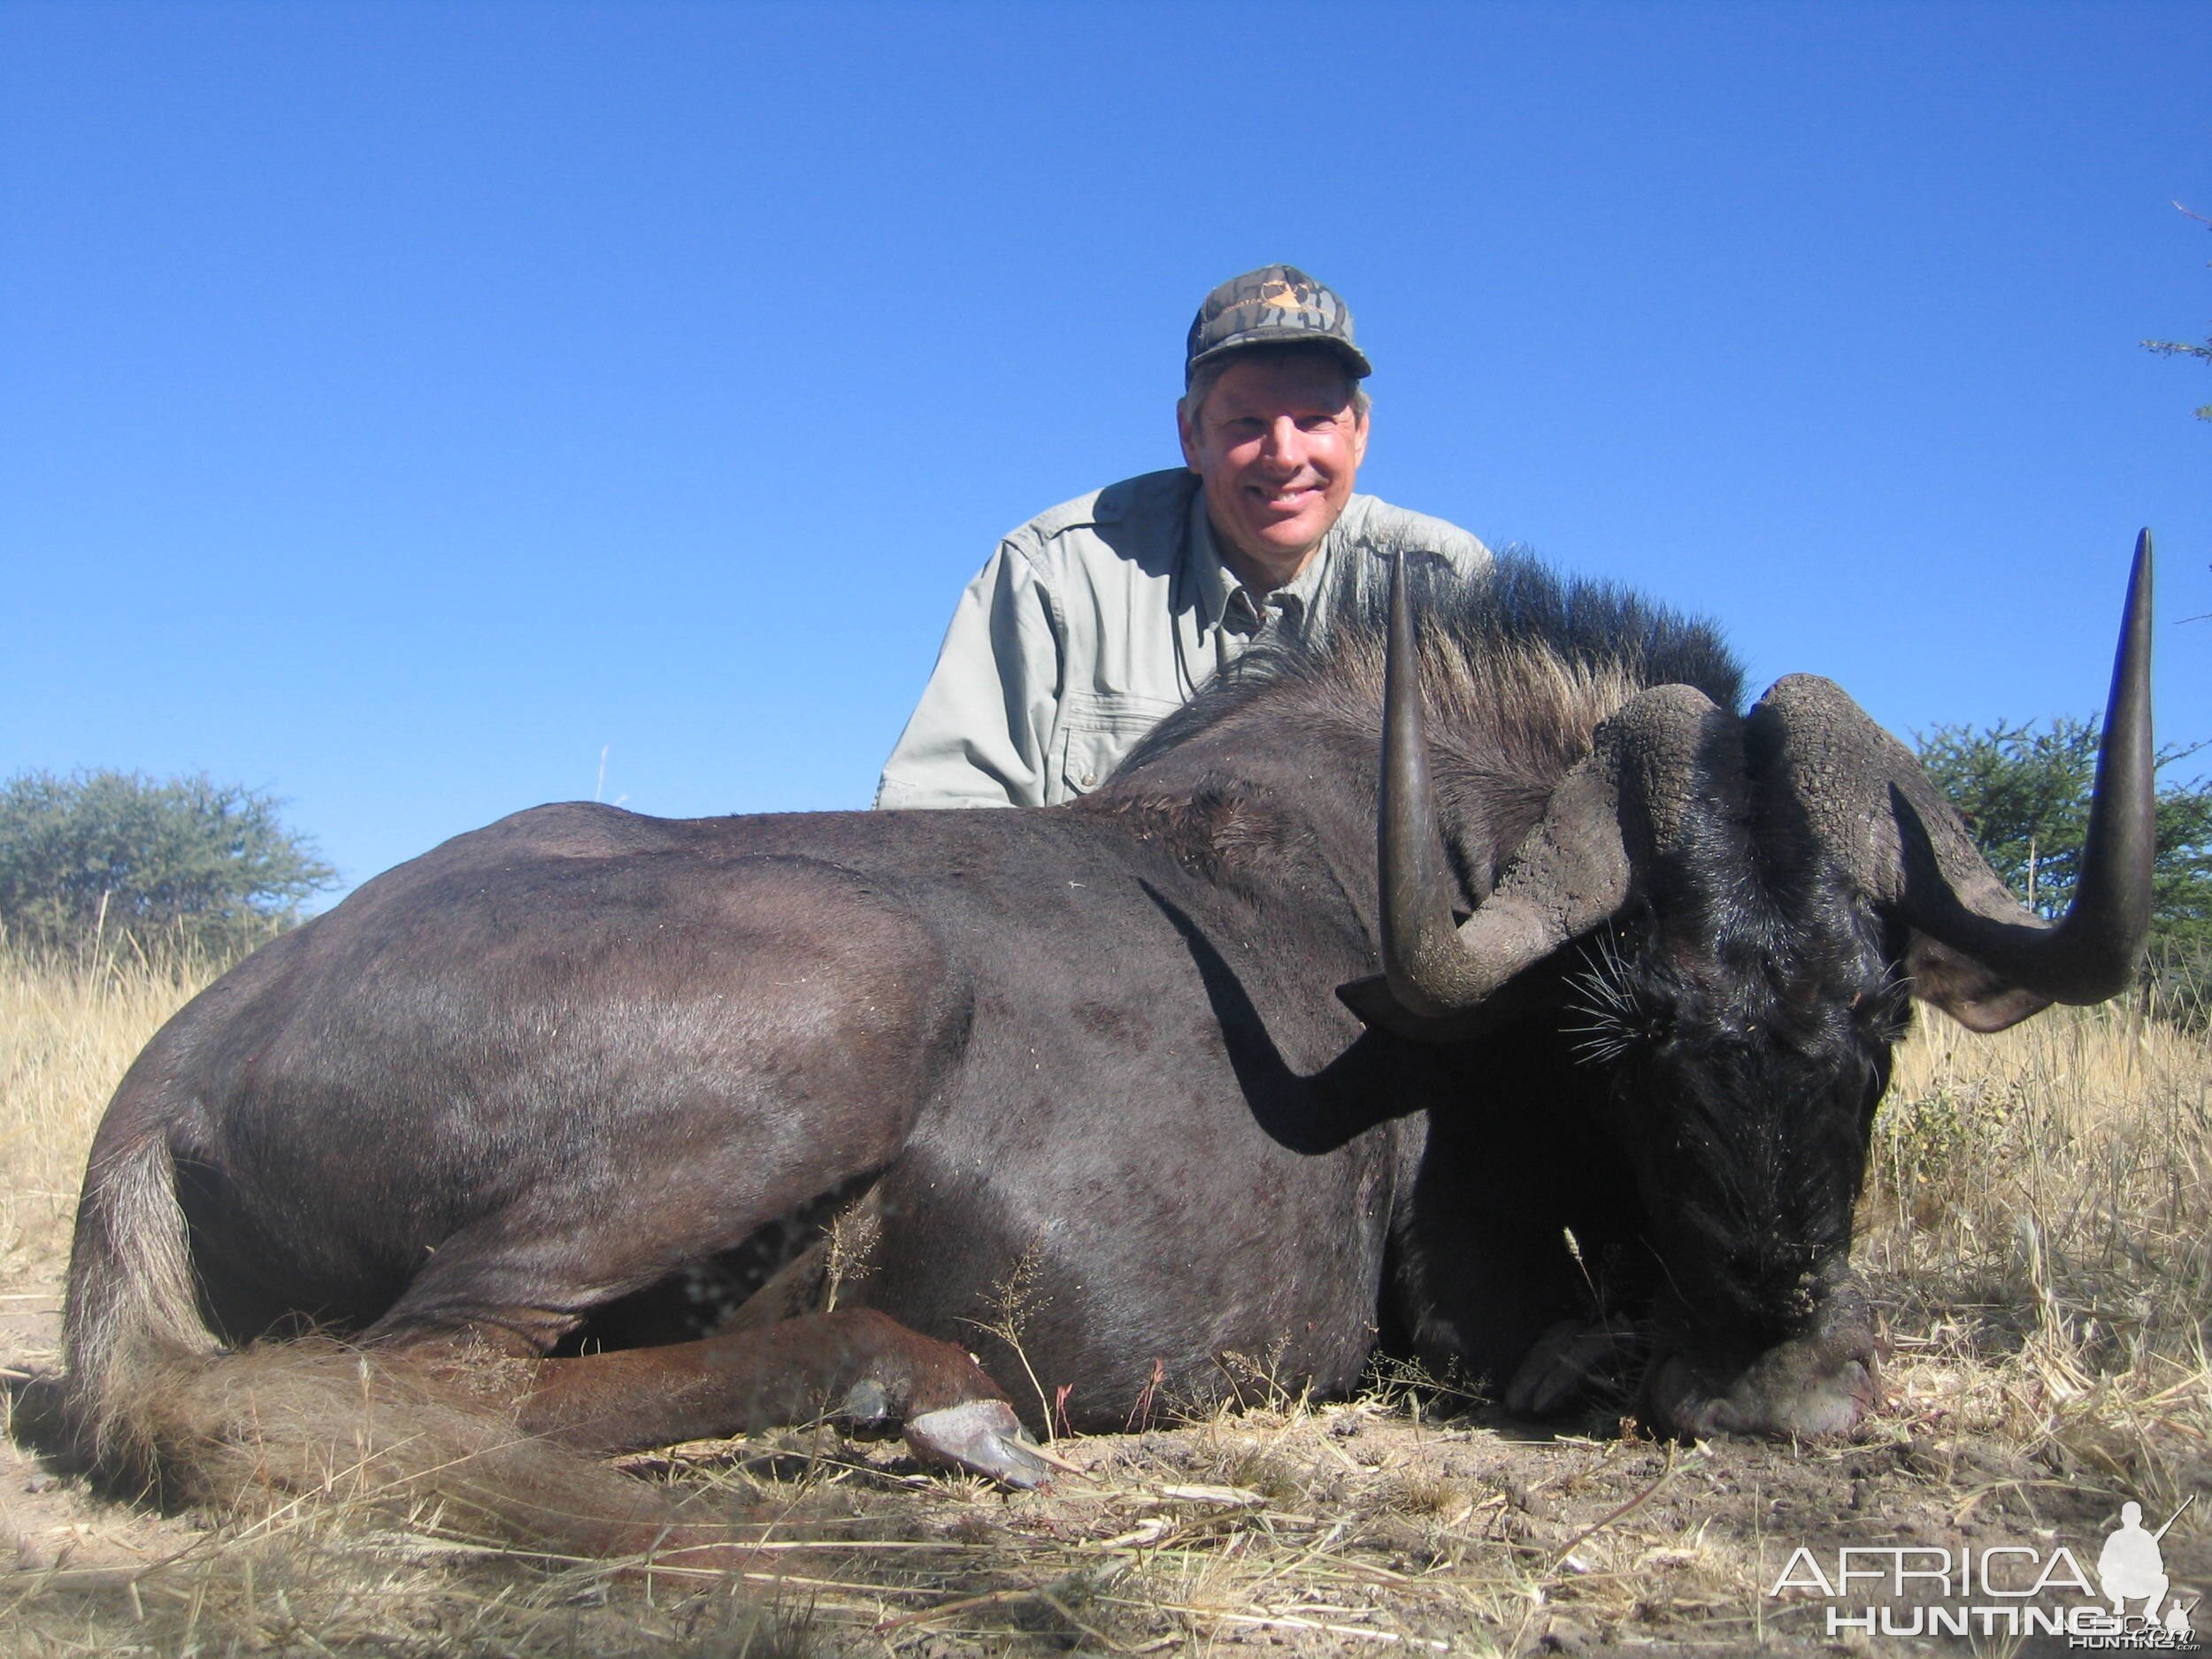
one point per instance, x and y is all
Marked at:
(1884, 1013)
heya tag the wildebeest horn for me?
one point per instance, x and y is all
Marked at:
(1880, 815)
(1626, 799)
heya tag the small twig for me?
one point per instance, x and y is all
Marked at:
(1220, 1497)
(1150, 1532)
(1611, 1516)
(1046, 1454)
(1290, 1622)
(407, 1544)
(74, 1578)
(1230, 1377)
(1088, 1579)
(110, 1577)
(946, 1609)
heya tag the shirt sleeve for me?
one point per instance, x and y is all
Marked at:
(1457, 547)
(982, 733)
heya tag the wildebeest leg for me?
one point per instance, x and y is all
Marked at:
(854, 1363)
(1573, 1359)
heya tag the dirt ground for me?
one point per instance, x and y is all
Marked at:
(1287, 1527)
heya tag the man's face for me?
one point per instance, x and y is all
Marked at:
(1279, 445)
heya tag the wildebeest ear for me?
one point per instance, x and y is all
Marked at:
(1965, 990)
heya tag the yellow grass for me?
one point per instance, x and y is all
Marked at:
(2037, 1229)
(2040, 1218)
(67, 1032)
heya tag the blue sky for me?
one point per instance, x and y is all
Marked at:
(401, 405)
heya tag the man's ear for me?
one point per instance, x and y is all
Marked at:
(1187, 431)
(1359, 437)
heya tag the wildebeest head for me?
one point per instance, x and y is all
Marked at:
(1749, 902)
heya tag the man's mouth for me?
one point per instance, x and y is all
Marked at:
(1289, 495)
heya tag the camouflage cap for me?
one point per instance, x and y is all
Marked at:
(1275, 305)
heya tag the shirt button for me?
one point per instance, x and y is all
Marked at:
(1089, 778)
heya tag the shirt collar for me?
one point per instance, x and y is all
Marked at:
(1213, 584)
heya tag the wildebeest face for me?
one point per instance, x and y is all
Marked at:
(1754, 883)
(1743, 1052)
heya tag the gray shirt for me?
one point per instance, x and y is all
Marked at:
(1095, 620)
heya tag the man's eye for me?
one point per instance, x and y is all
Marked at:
(1316, 423)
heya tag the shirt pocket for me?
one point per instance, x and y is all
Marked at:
(1096, 729)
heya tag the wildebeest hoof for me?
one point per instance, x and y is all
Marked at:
(1569, 1361)
(1816, 1388)
(983, 1437)
(865, 1402)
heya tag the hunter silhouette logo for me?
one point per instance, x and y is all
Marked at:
(2131, 1566)
(2005, 1590)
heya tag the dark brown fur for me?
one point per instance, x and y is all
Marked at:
(553, 1066)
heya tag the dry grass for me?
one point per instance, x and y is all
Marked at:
(2035, 1231)
(67, 1032)
(2038, 1225)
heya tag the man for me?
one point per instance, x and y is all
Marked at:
(1095, 620)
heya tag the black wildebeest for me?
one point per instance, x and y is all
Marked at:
(1643, 960)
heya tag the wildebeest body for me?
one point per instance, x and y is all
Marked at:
(633, 1042)
(1094, 1061)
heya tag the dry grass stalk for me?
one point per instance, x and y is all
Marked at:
(67, 1032)
(2036, 1224)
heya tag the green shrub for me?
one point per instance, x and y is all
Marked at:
(2023, 791)
(97, 861)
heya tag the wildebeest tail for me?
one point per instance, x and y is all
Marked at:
(132, 1317)
(156, 1401)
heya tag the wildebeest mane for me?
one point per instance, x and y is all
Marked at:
(1518, 669)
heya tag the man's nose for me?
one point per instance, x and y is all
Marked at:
(1285, 444)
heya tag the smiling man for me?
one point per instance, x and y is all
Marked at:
(1095, 620)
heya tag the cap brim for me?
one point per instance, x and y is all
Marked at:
(1352, 355)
